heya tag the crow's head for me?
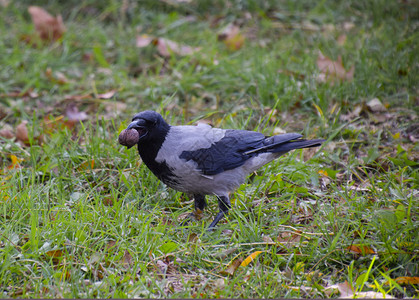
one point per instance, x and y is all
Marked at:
(150, 125)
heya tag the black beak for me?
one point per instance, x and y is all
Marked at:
(136, 124)
(140, 126)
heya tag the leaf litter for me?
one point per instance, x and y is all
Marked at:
(76, 115)
(49, 28)
(165, 47)
(332, 71)
(232, 37)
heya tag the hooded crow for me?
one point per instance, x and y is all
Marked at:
(202, 160)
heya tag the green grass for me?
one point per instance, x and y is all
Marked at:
(72, 229)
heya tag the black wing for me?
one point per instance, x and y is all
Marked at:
(228, 153)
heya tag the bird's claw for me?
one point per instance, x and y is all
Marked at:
(195, 215)
(217, 219)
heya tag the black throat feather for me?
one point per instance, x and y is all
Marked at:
(148, 150)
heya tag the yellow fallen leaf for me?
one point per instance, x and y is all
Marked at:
(86, 165)
(405, 280)
(232, 37)
(323, 173)
(401, 244)
(319, 110)
(299, 267)
(15, 161)
(54, 253)
(250, 258)
(234, 43)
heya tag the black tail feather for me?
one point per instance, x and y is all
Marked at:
(297, 144)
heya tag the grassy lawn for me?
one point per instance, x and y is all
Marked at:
(81, 216)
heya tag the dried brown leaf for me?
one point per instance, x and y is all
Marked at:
(107, 95)
(4, 3)
(267, 239)
(330, 290)
(74, 115)
(219, 283)
(228, 31)
(166, 47)
(166, 268)
(375, 105)
(232, 267)
(368, 295)
(56, 77)
(345, 289)
(48, 27)
(51, 124)
(95, 267)
(225, 253)
(6, 133)
(111, 246)
(332, 70)
(54, 256)
(29, 93)
(107, 200)
(356, 112)
(143, 40)
(232, 37)
(99, 272)
(88, 57)
(55, 253)
(77, 97)
(61, 78)
(348, 26)
(22, 132)
(288, 239)
(341, 39)
(360, 249)
(127, 259)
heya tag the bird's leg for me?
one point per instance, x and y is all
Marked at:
(200, 204)
(225, 205)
